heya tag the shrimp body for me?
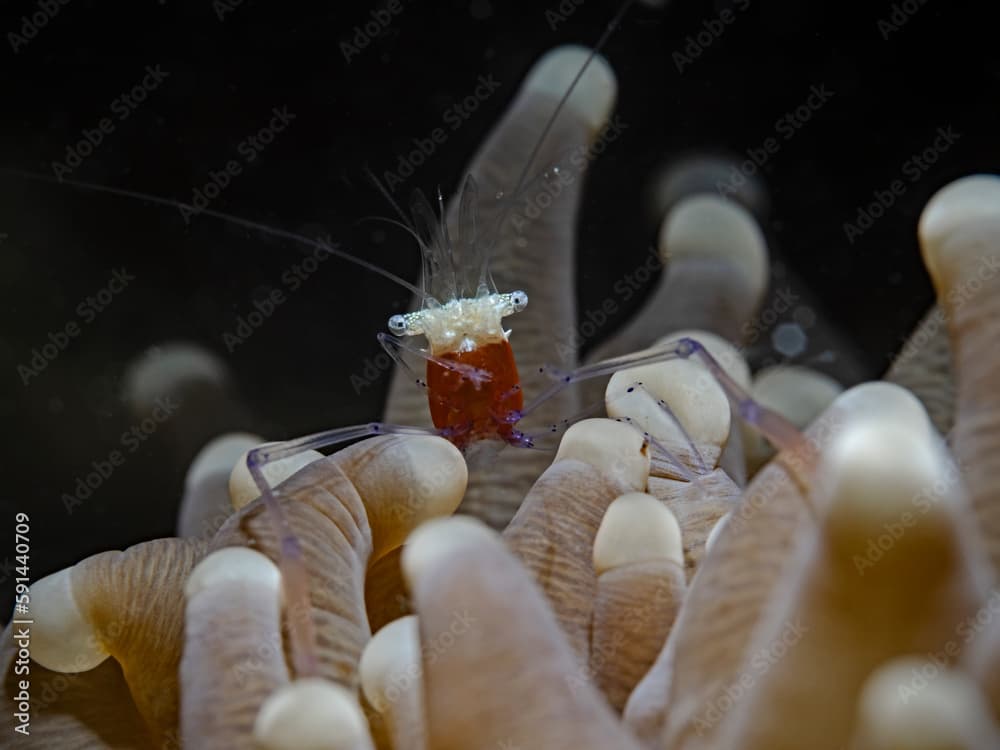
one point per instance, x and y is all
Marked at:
(473, 387)
(467, 410)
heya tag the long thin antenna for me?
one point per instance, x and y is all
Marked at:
(301, 239)
(605, 36)
(388, 196)
(222, 216)
(387, 220)
(509, 203)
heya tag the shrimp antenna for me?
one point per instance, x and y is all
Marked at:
(409, 223)
(550, 123)
(387, 220)
(221, 216)
(392, 201)
(601, 42)
(444, 226)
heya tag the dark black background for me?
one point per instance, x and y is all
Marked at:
(59, 244)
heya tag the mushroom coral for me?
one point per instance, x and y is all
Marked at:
(640, 590)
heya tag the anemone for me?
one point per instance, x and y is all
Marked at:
(674, 589)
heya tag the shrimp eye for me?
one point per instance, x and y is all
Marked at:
(519, 300)
(397, 324)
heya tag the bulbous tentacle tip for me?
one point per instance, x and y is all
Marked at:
(206, 503)
(219, 455)
(614, 448)
(233, 565)
(716, 532)
(393, 651)
(312, 714)
(885, 401)
(391, 672)
(706, 226)
(439, 539)
(729, 357)
(704, 174)
(404, 480)
(961, 206)
(680, 406)
(170, 369)
(62, 639)
(915, 703)
(242, 488)
(594, 96)
(874, 472)
(637, 527)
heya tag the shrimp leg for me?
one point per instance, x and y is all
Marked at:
(392, 345)
(301, 630)
(692, 446)
(782, 433)
(679, 465)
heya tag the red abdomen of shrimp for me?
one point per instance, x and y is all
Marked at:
(476, 410)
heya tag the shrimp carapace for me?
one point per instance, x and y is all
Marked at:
(469, 410)
(473, 387)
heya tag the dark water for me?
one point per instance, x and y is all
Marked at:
(839, 103)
